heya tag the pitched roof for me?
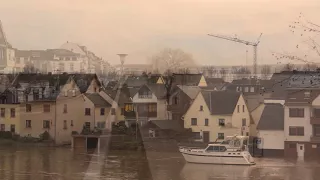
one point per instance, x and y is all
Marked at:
(221, 102)
(272, 117)
(158, 90)
(212, 81)
(83, 81)
(191, 91)
(187, 79)
(280, 82)
(97, 100)
(253, 101)
(168, 125)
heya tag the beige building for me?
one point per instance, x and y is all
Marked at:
(37, 117)
(10, 118)
(214, 115)
(74, 109)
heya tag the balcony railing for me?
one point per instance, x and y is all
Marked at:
(315, 120)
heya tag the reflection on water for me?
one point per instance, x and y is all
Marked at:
(63, 163)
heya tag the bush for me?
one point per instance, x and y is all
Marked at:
(45, 136)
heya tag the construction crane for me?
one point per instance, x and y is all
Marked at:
(254, 44)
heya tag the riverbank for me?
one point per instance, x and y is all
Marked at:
(10, 142)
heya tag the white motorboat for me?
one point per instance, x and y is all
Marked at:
(233, 150)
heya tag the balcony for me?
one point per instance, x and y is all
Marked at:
(315, 120)
(315, 139)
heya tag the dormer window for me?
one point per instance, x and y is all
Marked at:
(307, 94)
(73, 92)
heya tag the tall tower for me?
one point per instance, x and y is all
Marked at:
(122, 59)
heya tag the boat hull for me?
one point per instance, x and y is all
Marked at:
(216, 159)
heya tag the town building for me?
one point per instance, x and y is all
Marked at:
(214, 115)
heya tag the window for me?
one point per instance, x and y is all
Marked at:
(316, 112)
(67, 58)
(206, 122)
(146, 94)
(296, 112)
(87, 125)
(28, 123)
(220, 135)
(307, 94)
(65, 108)
(28, 107)
(296, 131)
(316, 130)
(73, 92)
(36, 94)
(87, 111)
(13, 112)
(113, 111)
(251, 89)
(238, 108)
(152, 108)
(12, 128)
(237, 89)
(176, 100)
(3, 112)
(61, 67)
(196, 135)
(101, 125)
(65, 124)
(221, 122)
(201, 108)
(46, 108)
(71, 123)
(242, 108)
(102, 111)
(2, 127)
(244, 122)
(122, 111)
(74, 58)
(46, 124)
(193, 121)
(128, 107)
(246, 89)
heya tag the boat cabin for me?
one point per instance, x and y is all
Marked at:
(233, 143)
(216, 148)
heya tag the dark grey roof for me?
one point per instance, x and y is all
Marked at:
(168, 125)
(191, 91)
(187, 79)
(97, 100)
(253, 101)
(308, 80)
(158, 90)
(272, 117)
(221, 102)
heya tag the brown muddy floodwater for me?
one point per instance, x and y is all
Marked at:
(30, 163)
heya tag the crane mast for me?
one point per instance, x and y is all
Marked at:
(253, 44)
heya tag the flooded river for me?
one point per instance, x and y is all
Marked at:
(63, 163)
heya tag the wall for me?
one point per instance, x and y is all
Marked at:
(213, 127)
(202, 82)
(238, 116)
(256, 115)
(37, 116)
(8, 120)
(271, 139)
(75, 112)
(162, 113)
(101, 118)
(290, 121)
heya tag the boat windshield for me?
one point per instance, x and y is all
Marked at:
(226, 142)
(216, 149)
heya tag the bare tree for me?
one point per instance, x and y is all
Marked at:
(172, 59)
(223, 73)
(310, 67)
(265, 71)
(288, 67)
(243, 72)
(29, 68)
(307, 30)
(184, 71)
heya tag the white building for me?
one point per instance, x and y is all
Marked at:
(7, 62)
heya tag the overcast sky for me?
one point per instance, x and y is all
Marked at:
(143, 27)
